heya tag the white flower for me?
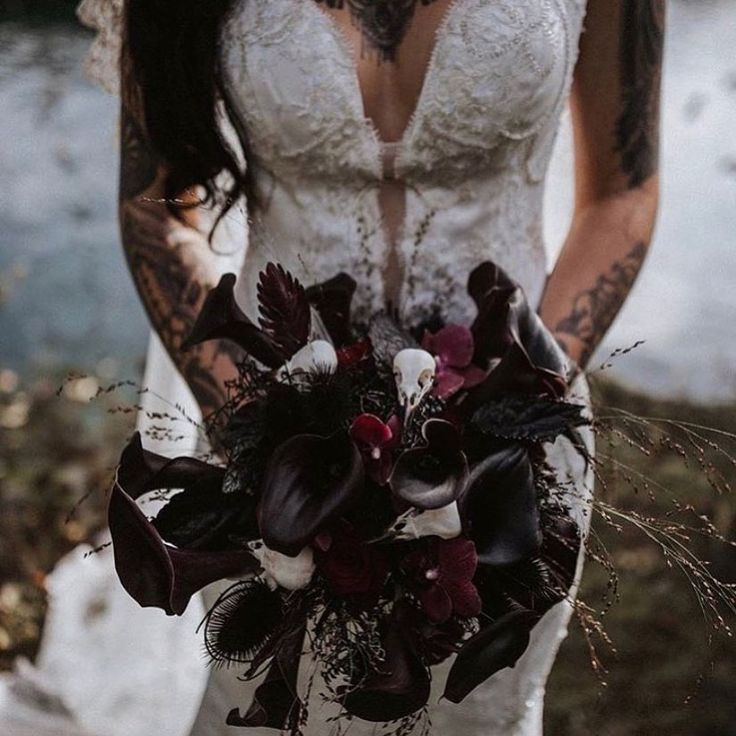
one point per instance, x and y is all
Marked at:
(414, 371)
(318, 356)
(281, 571)
(414, 524)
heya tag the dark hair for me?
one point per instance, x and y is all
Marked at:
(171, 73)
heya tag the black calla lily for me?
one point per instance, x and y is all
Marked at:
(400, 688)
(222, 318)
(310, 480)
(275, 702)
(508, 330)
(332, 300)
(156, 574)
(201, 516)
(432, 476)
(499, 507)
(492, 649)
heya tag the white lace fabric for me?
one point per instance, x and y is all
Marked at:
(103, 60)
(471, 164)
(472, 158)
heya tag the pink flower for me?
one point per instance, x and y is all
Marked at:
(375, 440)
(453, 349)
(441, 574)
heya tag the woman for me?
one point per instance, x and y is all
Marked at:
(403, 142)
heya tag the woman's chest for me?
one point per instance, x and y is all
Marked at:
(492, 70)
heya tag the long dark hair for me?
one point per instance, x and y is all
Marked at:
(170, 67)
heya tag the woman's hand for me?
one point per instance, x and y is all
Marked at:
(172, 266)
(615, 105)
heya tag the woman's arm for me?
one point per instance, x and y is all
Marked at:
(615, 104)
(171, 264)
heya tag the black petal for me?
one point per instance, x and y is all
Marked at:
(222, 318)
(401, 688)
(155, 574)
(492, 649)
(432, 476)
(309, 481)
(332, 299)
(499, 509)
(276, 703)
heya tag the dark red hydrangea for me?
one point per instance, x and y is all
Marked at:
(352, 568)
(441, 575)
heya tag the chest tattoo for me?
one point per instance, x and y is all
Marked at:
(383, 23)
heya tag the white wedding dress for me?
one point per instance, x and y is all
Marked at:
(468, 178)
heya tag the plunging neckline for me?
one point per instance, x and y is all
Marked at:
(349, 53)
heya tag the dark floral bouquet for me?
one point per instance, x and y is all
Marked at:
(383, 498)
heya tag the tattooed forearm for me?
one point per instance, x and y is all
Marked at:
(594, 309)
(169, 265)
(637, 129)
(138, 162)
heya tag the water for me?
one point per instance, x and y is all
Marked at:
(66, 296)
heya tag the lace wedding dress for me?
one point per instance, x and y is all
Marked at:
(408, 220)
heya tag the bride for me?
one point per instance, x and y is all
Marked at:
(402, 141)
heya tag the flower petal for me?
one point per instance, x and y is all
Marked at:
(453, 344)
(466, 600)
(447, 382)
(332, 299)
(457, 559)
(310, 480)
(499, 507)
(155, 574)
(400, 688)
(432, 476)
(492, 649)
(222, 318)
(505, 318)
(275, 702)
(436, 603)
(142, 471)
(367, 430)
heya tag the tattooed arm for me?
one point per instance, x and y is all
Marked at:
(171, 264)
(615, 105)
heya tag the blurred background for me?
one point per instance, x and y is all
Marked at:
(67, 305)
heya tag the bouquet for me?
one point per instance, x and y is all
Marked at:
(383, 499)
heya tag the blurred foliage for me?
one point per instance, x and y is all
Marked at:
(666, 674)
(57, 455)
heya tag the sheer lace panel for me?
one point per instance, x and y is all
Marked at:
(392, 189)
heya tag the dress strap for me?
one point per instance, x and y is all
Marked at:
(102, 64)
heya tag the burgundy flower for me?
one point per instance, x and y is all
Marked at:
(441, 573)
(436, 641)
(353, 354)
(375, 440)
(352, 567)
(453, 349)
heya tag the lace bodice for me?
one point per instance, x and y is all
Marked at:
(471, 161)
